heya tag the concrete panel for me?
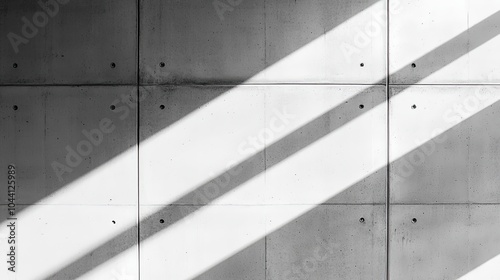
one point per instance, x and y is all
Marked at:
(262, 42)
(75, 44)
(342, 154)
(231, 131)
(444, 144)
(49, 237)
(330, 242)
(197, 45)
(444, 241)
(189, 248)
(325, 41)
(463, 32)
(198, 135)
(68, 146)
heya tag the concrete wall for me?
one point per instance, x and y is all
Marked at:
(160, 139)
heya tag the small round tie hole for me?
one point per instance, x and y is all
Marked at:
(162, 107)
(414, 106)
(14, 65)
(361, 106)
(15, 107)
(414, 220)
(113, 65)
(413, 65)
(162, 221)
(112, 107)
(162, 64)
(362, 65)
(362, 220)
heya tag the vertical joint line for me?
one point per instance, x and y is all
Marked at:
(388, 178)
(138, 16)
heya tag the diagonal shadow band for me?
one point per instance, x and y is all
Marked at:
(288, 146)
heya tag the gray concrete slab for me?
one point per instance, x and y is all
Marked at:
(69, 146)
(458, 166)
(197, 46)
(444, 241)
(48, 236)
(423, 26)
(324, 41)
(68, 42)
(330, 242)
(216, 235)
(194, 138)
(342, 166)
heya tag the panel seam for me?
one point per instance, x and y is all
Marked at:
(388, 178)
(137, 83)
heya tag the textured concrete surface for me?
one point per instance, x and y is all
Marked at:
(461, 238)
(48, 236)
(60, 134)
(425, 25)
(262, 131)
(330, 242)
(192, 245)
(460, 165)
(72, 43)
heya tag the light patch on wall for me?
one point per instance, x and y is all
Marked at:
(486, 271)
